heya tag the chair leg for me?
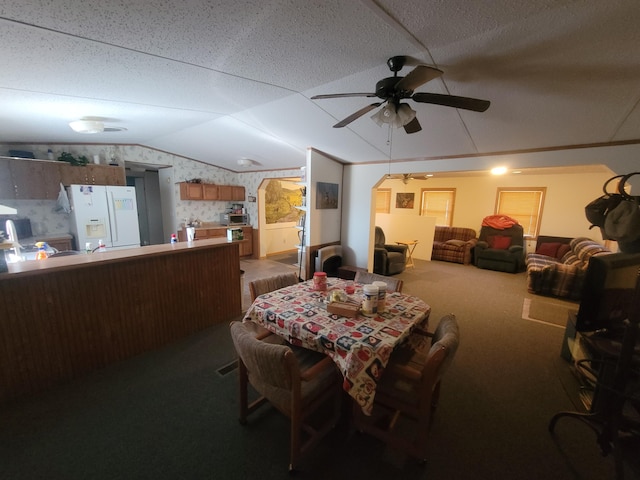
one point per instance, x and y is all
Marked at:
(243, 393)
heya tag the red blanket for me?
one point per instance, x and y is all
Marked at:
(499, 222)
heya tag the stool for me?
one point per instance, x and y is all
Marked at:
(347, 272)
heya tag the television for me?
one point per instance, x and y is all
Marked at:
(609, 293)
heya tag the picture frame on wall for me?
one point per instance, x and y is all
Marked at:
(326, 195)
(404, 200)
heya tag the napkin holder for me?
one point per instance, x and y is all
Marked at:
(343, 309)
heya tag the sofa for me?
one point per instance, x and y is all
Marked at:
(453, 244)
(557, 268)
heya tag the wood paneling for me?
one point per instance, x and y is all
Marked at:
(60, 324)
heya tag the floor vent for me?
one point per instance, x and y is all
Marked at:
(228, 368)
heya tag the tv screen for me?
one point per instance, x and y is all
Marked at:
(608, 294)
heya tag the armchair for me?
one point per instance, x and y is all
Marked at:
(500, 249)
(388, 259)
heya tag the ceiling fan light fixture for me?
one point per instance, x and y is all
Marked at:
(87, 126)
(395, 116)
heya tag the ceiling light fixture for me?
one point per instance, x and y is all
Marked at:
(397, 116)
(87, 126)
(499, 170)
(245, 162)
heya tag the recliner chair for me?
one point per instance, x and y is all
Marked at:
(500, 249)
(388, 259)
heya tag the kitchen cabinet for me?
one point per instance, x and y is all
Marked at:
(210, 191)
(27, 179)
(191, 191)
(93, 175)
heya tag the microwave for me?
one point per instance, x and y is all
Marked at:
(234, 219)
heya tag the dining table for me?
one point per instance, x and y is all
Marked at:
(360, 346)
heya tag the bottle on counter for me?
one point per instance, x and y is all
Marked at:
(174, 239)
(101, 246)
(42, 251)
(50, 154)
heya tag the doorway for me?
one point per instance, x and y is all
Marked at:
(147, 184)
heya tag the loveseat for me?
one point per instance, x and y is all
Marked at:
(453, 244)
(558, 266)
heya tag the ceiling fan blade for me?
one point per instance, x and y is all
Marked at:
(465, 103)
(413, 126)
(416, 77)
(356, 115)
(341, 95)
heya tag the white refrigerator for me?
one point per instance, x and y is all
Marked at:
(107, 213)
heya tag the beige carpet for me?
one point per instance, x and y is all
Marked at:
(553, 312)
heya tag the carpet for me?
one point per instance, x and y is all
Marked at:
(552, 313)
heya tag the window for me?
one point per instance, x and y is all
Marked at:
(383, 200)
(524, 205)
(438, 202)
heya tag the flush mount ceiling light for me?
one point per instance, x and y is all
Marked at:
(245, 162)
(87, 126)
(396, 116)
(499, 170)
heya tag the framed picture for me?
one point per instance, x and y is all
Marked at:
(326, 195)
(404, 200)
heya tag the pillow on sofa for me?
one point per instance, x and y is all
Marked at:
(456, 243)
(563, 249)
(550, 249)
(499, 242)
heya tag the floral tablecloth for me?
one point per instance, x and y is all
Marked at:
(359, 346)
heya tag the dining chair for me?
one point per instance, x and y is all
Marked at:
(393, 284)
(260, 286)
(296, 381)
(263, 285)
(409, 389)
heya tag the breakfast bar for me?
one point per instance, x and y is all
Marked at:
(64, 317)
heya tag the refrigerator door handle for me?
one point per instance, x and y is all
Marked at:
(113, 222)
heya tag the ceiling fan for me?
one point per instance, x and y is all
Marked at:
(392, 90)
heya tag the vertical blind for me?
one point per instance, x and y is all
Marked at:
(383, 200)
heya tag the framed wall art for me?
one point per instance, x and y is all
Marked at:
(404, 200)
(326, 195)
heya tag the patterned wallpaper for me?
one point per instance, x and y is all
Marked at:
(45, 220)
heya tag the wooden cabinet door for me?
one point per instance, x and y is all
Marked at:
(225, 192)
(105, 175)
(7, 187)
(72, 175)
(191, 191)
(35, 179)
(211, 191)
(237, 193)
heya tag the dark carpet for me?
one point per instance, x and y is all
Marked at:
(172, 413)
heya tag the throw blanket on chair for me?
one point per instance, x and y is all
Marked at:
(499, 222)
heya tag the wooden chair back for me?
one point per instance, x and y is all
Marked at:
(393, 284)
(261, 286)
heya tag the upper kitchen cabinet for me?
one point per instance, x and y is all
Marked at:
(93, 175)
(209, 191)
(191, 191)
(29, 179)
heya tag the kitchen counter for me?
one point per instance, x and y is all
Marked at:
(63, 317)
(83, 260)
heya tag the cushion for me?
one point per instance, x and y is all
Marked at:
(563, 249)
(550, 249)
(499, 242)
(456, 243)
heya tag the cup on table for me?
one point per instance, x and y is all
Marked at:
(350, 287)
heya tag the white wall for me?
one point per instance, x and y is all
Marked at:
(323, 224)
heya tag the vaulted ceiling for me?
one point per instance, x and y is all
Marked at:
(225, 80)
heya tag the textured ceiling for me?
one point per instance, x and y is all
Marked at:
(222, 80)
